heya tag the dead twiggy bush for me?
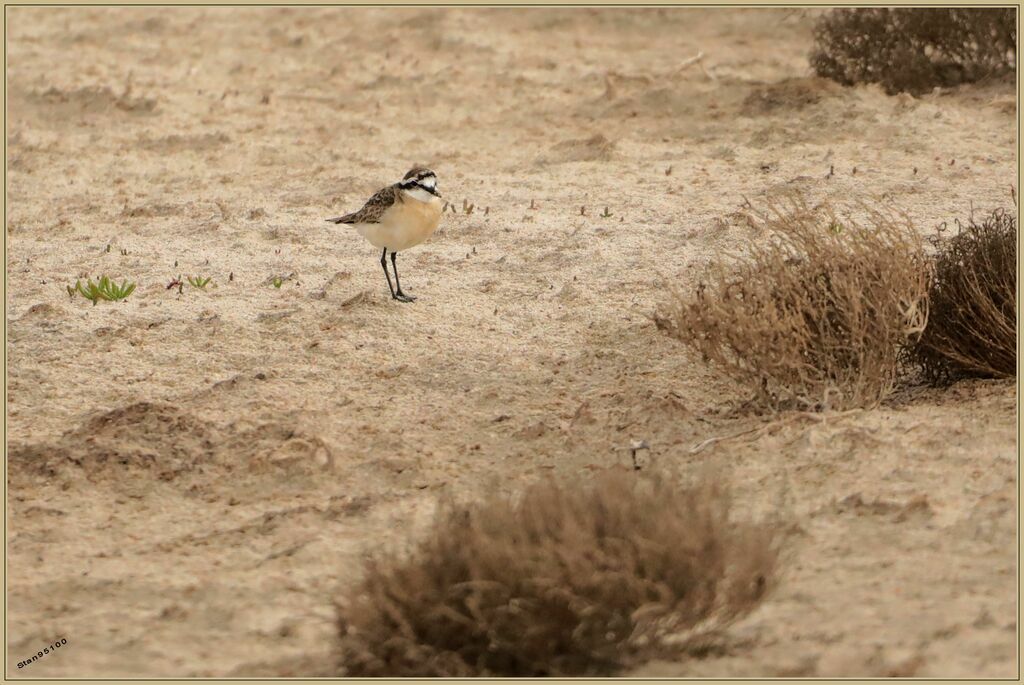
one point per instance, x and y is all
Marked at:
(565, 581)
(815, 318)
(915, 49)
(972, 322)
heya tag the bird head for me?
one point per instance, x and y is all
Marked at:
(420, 178)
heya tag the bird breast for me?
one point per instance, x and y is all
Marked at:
(416, 220)
(408, 222)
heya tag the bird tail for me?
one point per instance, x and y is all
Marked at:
(338, 219)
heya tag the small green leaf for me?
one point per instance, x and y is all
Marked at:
(105, 289)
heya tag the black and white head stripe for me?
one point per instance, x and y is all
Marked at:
(420, 177)
(417, 172)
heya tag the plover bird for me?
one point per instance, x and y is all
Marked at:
(397, 218)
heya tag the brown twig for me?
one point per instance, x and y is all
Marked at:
(822, 417)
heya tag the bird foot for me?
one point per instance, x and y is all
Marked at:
(402, 297)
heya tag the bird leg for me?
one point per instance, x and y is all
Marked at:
(399, 295)
(384, 265)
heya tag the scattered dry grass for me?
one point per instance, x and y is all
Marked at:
(972, 325)
(816, 317)
(565, 581)
(915, 49)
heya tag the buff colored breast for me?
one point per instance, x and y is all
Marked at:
(404, 225)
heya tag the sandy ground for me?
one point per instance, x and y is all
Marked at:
(194, 477)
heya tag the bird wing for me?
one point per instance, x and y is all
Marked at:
(373, 209)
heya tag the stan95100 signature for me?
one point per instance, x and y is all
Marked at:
(57, 644)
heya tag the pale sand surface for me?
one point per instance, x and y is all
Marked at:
(289, 432)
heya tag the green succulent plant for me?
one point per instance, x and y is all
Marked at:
(106, 289)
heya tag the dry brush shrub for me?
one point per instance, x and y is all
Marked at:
(914, 49)
(567, 580)
(972, 323)
(817, 316)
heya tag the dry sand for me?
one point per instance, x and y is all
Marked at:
(194, 477)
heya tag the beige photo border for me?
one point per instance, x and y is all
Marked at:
(525, 5)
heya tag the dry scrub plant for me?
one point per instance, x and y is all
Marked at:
(972, 324)
(816, 316)
(915, 49)
(572, 580)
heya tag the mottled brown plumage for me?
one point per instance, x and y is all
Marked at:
(374, 208)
